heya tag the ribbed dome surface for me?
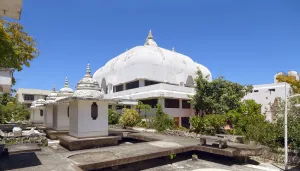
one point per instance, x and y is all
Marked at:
(87, 87)
(149, 62)
(66, 90)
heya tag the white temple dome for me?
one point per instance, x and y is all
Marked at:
(87, 87)
(152, 63)
(66, 90)
(52, 96)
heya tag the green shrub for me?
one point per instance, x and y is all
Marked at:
(215, 122)
(162, 120)
(130, 117)
(147, 123)
(113, 116)
(197, 124)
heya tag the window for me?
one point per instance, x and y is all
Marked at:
(255, 91)
(119, 107)
(94, 111)
(131, 85)
(44, 97)
(151, 102)
(68, 112)
(41, 112)
(186, 104)
(118, 88)
(28, 97)
(171, 103)
(185, 122)
(148, 82)
(109, 106)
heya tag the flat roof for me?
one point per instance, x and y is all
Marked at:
(11, 8)
(33, 91)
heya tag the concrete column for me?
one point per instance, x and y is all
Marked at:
(161, 101)
(180, 103)
(124, 87)
(113, 106)
(141, 83)
(179, 121)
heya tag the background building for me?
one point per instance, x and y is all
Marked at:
(11, 8)
(27, 96)
(265, 94)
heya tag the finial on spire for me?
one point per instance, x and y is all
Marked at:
(173, 49)
(150, 40)
(53, 88)
(88, 71)
(66, 82)
(150, 35)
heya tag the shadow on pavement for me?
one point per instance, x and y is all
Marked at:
(224, 159)
(16, 161)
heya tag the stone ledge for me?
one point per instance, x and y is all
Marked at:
(72, 143)
(52, 134)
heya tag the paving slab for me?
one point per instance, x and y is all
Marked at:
(22, 148)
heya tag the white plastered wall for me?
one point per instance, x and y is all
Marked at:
(49, 116)
(81, 123)
(61, 120)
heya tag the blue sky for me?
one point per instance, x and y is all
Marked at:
(245, 41)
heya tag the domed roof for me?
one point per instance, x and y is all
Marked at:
(66, 90)
(38, 103)
(52, 96)
(87, 87)
(148, 62)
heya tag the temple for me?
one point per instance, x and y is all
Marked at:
(147, 73)
(153, 75)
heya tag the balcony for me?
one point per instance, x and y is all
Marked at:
(156, 90)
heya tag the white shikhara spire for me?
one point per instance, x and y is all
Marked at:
(150, 40)
(53, 88)
(87, 87)
(88, 72)
(66, 83)
(66, 90)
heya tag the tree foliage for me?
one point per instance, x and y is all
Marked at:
(295, 84)
(162, 120)
(293, 120)
(143, 107)
(17, 48)
(11, 110)
(113, 116)
(218, 96)
(130, 117)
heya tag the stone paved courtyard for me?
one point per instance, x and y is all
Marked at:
(56, 158)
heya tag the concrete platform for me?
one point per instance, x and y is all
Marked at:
(72, 143)
(52, 134)
(22, 148)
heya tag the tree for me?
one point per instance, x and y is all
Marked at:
(10, 109)
(295, 84)
(218, 96)
(162, 120)
(113, 116)
(17, 48)
(277, 109)
(143, 107)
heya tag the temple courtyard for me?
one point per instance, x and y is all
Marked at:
(139, 151)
